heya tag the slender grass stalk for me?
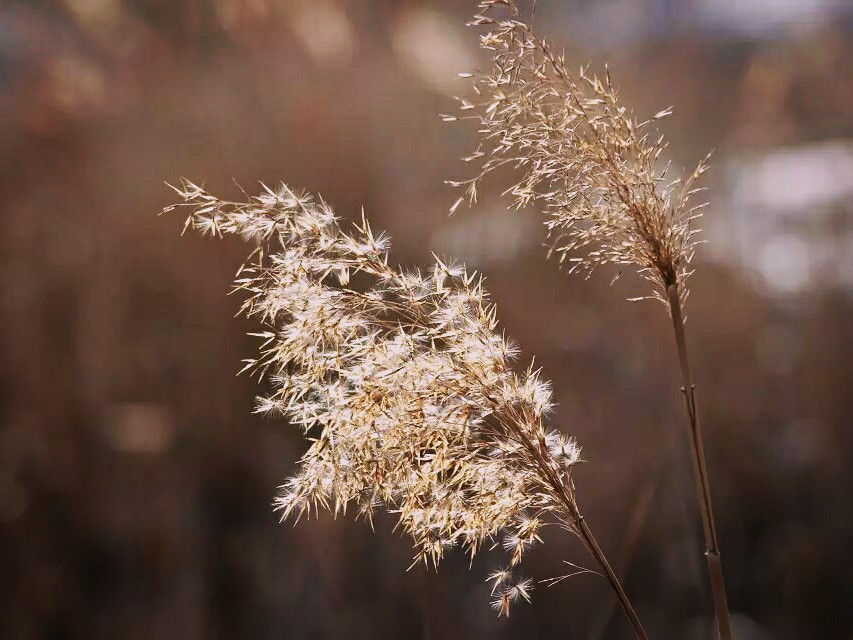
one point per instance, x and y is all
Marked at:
(703, 484)
(579, 526)
(592, 545)
(632, 532)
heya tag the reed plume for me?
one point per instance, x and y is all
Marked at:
(595, 169)
(583, 157)
(403, 384)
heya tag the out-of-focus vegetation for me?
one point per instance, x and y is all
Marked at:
(135, 487)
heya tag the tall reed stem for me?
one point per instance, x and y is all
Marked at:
(703, 487)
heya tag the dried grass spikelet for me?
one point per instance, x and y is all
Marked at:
(403, 384)
(582, 155)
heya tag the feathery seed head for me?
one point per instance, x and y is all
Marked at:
(581, 155)
(405, 386)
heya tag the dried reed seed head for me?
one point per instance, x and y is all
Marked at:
(405, 386)
(580, 154)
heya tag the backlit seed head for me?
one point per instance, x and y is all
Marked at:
(580, 155)
(404, 385)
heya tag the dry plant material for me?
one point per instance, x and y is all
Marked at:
(578, 153)
(403, 384)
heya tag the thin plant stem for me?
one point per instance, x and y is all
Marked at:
(632, 533)
(581, 528)
(703, 487)
(592, 545)
(589, 541)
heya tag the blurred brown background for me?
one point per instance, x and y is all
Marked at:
(135, 485)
